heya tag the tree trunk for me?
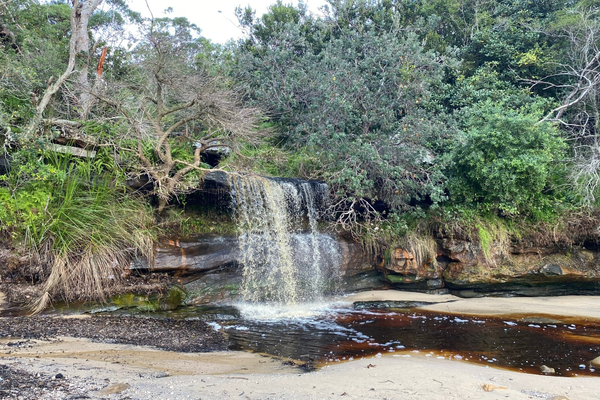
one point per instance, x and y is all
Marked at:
(80, 15)
(83, 10)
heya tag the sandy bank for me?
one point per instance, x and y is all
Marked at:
(567, 306)
(131, 371)
(144, 373)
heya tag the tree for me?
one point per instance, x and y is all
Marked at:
(504, 160)
(32, 50)
(78, 43)
(576, 82)
(354, 89)
(47, 63)
(175, 111)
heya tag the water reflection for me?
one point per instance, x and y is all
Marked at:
(345, 334)
(319, 334)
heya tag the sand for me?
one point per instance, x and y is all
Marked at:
(137, 372)
(567, 306)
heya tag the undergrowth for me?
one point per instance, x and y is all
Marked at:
(495, 235)
(191, 221)
(273, 160)
(78, 223)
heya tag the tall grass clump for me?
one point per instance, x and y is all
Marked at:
(82, 229)
(92, 234)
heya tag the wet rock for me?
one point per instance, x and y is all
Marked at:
(200, 254)
(596, 362)
(212, 266)
(216, 180)
(544, 369)
(552, 269)
(360, 281)
(218, 286)
(378, 305)
(435, 283)
(467, 294)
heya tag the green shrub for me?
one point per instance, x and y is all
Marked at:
(504, 160)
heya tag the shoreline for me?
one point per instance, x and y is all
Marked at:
(129, 371)
(135, 372)
(584, 306)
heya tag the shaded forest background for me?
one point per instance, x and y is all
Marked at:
(475, 117)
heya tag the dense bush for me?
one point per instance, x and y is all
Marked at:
(77, 220)
(355, 93)
(504, 158)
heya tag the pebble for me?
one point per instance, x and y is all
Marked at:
(595, 362)
(546, 370)
(490, 388)
(113, 389)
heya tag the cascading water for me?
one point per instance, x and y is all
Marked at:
(286, 260)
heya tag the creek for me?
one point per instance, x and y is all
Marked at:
(288, 300)
(290, 270)
(318, 334)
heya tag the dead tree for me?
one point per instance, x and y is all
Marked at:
(577, 80)
(175, 104)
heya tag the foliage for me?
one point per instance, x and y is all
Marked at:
(504, 160)
(478, 115)
(37, 50)
(273, 160)
(355, 92)
(192, 221)
(176, 111)
(78, 222)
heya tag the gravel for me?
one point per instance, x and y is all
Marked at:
(165, 334)
(16, 383)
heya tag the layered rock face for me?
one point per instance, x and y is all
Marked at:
(210, 270)
(466, 269)
(210, 266)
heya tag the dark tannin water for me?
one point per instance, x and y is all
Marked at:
(520, 343)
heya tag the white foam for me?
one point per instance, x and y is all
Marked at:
(278, 312)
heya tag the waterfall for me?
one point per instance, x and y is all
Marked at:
(285, 258)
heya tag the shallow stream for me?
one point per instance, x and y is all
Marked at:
(318, 335)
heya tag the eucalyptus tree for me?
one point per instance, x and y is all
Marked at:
(575, 81)
(48, 62)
